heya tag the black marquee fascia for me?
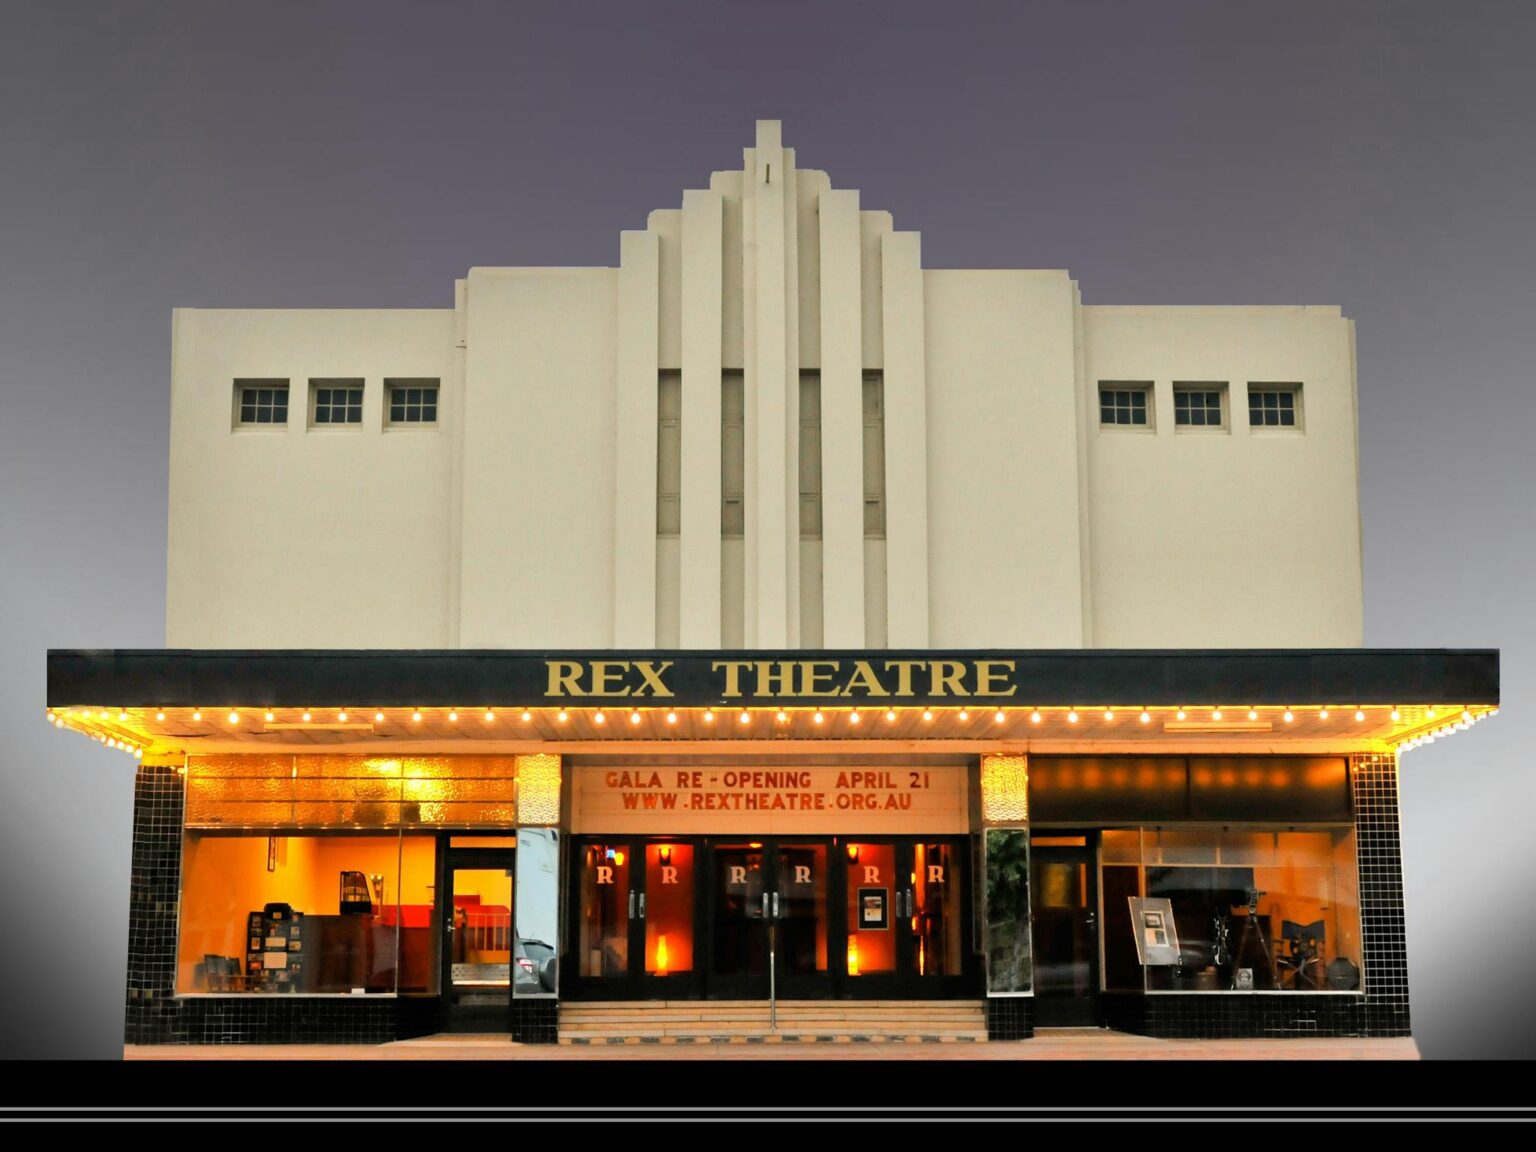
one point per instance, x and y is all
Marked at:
(516, 678)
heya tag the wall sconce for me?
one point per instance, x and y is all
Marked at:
(664, 854)
(853, 853)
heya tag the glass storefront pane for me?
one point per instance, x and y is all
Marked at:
(801, 941)
(871, 896)
(740, 944)
(669, 889)
(482, 935)
(602, 943)
(306, 914)
(536, 948)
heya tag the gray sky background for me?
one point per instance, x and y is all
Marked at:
(1375, 155)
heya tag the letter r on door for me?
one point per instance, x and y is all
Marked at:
(935, 873)
(738, 874)
(802, 873)
(871, 874)
(669, 873)
(604, 874)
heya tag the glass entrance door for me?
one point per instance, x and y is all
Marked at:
(633, 919)
(769, 906)
(904, 918)
(478, 941)
(1064, 904)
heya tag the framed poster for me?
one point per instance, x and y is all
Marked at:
(1157, 938)
(874, 914)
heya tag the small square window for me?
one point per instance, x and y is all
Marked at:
(261, 402)
(412, 401)
(336, 402)
(1274, 405)
(1198, 406)
(1124, 404)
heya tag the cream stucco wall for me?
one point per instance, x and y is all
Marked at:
(527, 516)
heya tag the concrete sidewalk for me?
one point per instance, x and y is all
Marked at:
(1053, 1044)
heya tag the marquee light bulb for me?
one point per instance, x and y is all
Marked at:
(1072, 716)
(1181, 715)
(307, 717)
(965, 714)
(234, 717)
(416, 716)
(58, 722)
(138, 753)
(1396, 715)
(1146, 717)
(599, 718)
(197, 717)
(927, 714)
(783, 716)
(1429, 713)
(160, 716)
(1109, 715)
(745, 719)
(671, 718)
(527, 715)
(853, 717)
(453, 716)
(634, 717)
(1034, 717)
(1288, 717)
(1253, 713)
(342, 716)
(122, 717)
(1359, 715)
(561, 716)
(1323, 715)
(268, 716)
(817, 718)
(1216, 714)
(1000, 717)
(890, 714)
(1465, 715)
(709, 715)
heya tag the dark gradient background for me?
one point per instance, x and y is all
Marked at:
(1378, 155)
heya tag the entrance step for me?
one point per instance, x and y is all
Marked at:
(747, 1021)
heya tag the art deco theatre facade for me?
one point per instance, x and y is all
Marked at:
(768, 636)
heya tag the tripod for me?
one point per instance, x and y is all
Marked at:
(1252, 945)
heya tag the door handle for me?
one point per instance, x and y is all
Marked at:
(765, 905)
(775, 905)
(631, 903)
(642, 905)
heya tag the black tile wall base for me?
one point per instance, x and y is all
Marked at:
(1010, 1017)
(535, 1021)
(1218, 1016)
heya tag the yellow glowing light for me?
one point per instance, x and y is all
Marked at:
(1253, 714)
(783, 716)
(1034, 717)
(561, 716)
(745, 719)
(160, 716)
(661, 954)
(1072, 717)
(1108, 715)
(306, 717)
(1323, 715)
(489, 716)
(1396, 715)
(709, 715)
(58, 722)
(964, 714)
(1429, 713)
(138, 753)
(817, 718)
(122, 717)
(453, 716)
(618, 858)
(197, 717)
(1216, 714)
(378, 717)
(1000, 717)
(234, 717)
(853, 717)
(853, 956)
(634, 717)
(927, 715)
(101, 715)
(527, 715)
(1359, 715)
(1288, 717)
(268, 716)
(1466, 715)
(342, 716)
(890, 714)
(1146, 717)
(416, 716)
(599, 718)
(671, 717)
(1181, 714)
